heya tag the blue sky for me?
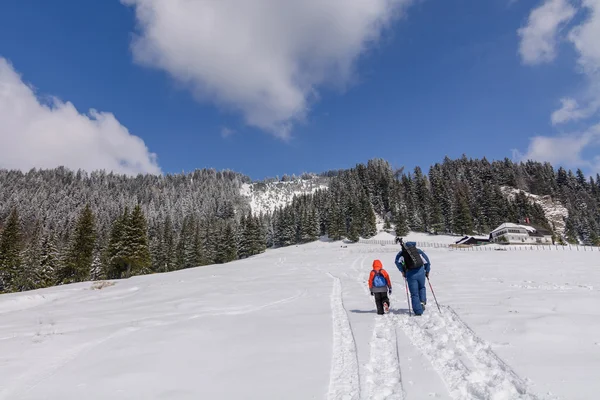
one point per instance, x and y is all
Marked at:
(439, 78)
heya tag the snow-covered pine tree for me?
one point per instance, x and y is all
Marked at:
(255, 236)
(436, 220)
(199, 256)
(115, 250)
(185, 244)
(136, 250)
(28, 278)
(80, 254)
(11, 245)
(332, 221)
(400, 226)
(355, 222)
(49, 262)
(412, 213)
(190, 250)
(243, 242)
(167, 260)
(96, 272)
(229, 245)
(463, 221)
(269, 230)
(386, 223)
(422, 196)
(314, 224)
(369, 225)
(211, 238)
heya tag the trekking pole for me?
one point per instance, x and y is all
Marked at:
(436, 302)
(407, 298)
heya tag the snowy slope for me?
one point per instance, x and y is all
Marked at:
(298, 323)
(267, 197)
(555, 212)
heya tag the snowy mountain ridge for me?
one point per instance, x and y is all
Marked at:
(266, 197)
(555, 212)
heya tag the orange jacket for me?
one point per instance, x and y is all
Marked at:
(385, 275)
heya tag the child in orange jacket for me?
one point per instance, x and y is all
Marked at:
(379, 285)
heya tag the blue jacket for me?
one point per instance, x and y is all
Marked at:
(400, 259)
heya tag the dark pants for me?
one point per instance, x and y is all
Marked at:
(416, 286)
(381, 298)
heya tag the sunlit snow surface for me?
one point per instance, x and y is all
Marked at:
(298, 323)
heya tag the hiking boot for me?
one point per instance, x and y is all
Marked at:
(386, 308)
(423, 305)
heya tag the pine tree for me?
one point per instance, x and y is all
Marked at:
(228, 240)
(355, 224)
(96, 272)
(401, 228)
(49, 262)
(436, 220)
(386, 223)
(186, 246)
(80, 255)
(136, 252)
(314, 225)
(463, 223)
(369, 226)
(28, 277)
(167, 254)
(115, 250)
(198, 248)
(336, 228)
(10, 252)
(211, 237)
(255, 235)
(243, 241)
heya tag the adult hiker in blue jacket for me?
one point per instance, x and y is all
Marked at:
(415, 271)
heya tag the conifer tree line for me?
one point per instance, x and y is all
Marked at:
(460, 196)
(59, 226)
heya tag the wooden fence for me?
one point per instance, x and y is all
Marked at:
(490, 247)
(393, 243)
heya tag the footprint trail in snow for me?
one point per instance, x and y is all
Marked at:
(344, 380)
(466, 363)
(384, 379)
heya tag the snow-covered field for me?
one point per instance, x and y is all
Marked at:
(298, 323)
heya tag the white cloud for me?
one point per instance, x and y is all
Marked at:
(263, 58)
(585, 38)
(539, 36)
(571, 111)
(36, 135)
(564, 150)
(226, 132)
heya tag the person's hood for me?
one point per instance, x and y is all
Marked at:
(377, 265)
(414, 244)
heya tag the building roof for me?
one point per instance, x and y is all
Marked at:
(508, 225)
(474, 238)
(536, 231)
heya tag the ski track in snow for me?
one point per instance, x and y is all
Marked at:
(466, 363)
(384, 380)
(344, 380)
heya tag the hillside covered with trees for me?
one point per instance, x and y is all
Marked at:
(60, 226)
